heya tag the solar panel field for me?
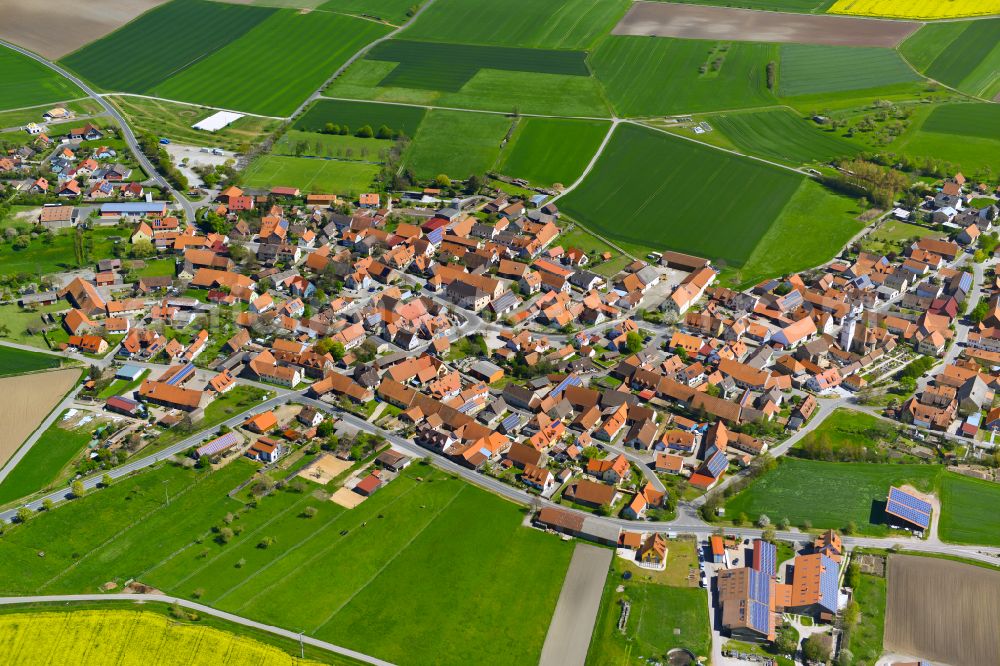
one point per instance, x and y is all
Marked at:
(781, 135)
(555, 24)
(544, 151)
(812, 68)
(26, 82)
(654, 191)
(703, 75)
(447, 67)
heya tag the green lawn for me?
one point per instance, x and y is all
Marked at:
(328, 575)
(40, 258)
(457, 144)
(17, 321)
(657, 611)
(17, 362)
(310, 174)
(847, 432)
(783, 136)
(41, 466)
(157, 268)
(652, 191)
(356, 114)
(812, 68)
(556, 24)
(864, 640)
(122, 386)
(662, 76)
(346, 147)
(26, 82)
(544, 151)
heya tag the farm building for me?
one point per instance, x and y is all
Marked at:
(219, 445)
(123, 406)
(907, 510)
(128, 372)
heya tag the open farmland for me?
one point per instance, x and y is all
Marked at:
(315, 175)
(942, 610)
(312, 47)
(17, 362)
(457, 144)
(357, 114)
(967, 135)
(968, 120)
(964, 55)
(781, 135)
(393, 11)
(329, 574)
(916, 9)
(802, 6)
(970, 513)
(345, 147)
(664, 19)
(193, 29)
(555, 24)
(98, 637)
(544, 151)
(26, 82)
(704, 75)
(30, 398)
(637, 179)
(173, 120)
(447, 67)
(807, 69)
(41, 466)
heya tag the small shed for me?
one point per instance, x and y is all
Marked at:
(128, 372)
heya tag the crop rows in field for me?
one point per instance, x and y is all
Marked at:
(647, 77)
(358, 114)
(978, 120)
(394, 11)
(916, 9)
(240, 57)
(810, 68)
(779, 134)
(554, 24)
(966, 55)
(26, 82)
(448, 67)
(314, 175)
(653, 190)
(544, 151)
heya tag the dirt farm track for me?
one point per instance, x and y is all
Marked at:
(58, 27)
(662, 19)
(943, 611)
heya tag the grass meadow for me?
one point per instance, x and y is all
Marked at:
(961, 54)
(456, 143)
(174, 121)
(783, 136)
(450, 549)
(41, 466)
(358, 114)
(702, 75)
(812, 68)
(487, 90)
(864, 639)
(314, 175)
(967, 135)
(345, 147)
(680, 195)
(556, 24)
(42, 257)
(26, 82)
(544, 151)
(17, 361)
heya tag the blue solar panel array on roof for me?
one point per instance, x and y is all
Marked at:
(510, 421)
(180, 375)
(759, 616)
(760, 587)
(829, 584)
(219, 444)
(765, 557)
(911, 509)
(570, 380)
(904, 498)
(717, 464)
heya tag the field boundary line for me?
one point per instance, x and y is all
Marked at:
(434, 107)
(202, 608)
(201, 106)
(293, 549)
(38, 106)
(392, 559)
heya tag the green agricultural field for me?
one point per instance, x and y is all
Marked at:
(798, 6)
(829, 495)
(810, 68)
(313, 175)
(347, 147)
(357, 114)
(487, 90)
(556, 24)
(969, 513)
(247, 76)
(47, 458)
(448, 67)
(26, 82)
(653, 191)
(193, 29)
(961, 54)
(702, 75)
(17, 362)
(173, 121)
(967, 135)
(328, 575)
(981, 121)
(457, 143)
(781, 135)
(544, 151)
(820, 224)
(393, 11)
(659, 608)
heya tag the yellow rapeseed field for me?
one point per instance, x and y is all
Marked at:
(127, 638)
(916, 9)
